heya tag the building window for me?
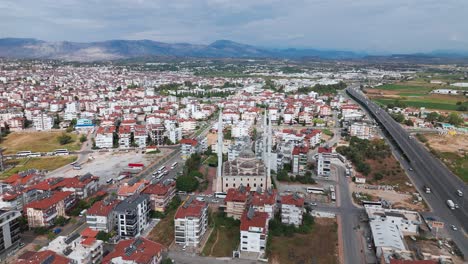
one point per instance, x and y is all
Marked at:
(255, 185)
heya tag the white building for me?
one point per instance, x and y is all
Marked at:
(188, 147)
(191, 222)
(42, 122)
(10, 229)
(78, 249)
(253, 231)
(407, 221)
(360, 130)
(105, 137)
(292, 209)
(174, 134)
(100, 216)
(323, 159)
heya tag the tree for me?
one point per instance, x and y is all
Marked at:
(101, 235)
(64, 139)
(83, 138)
(455, 119)
(60, 220)
(409, 122)
(187, 183)
(399, 117)
(432, 116)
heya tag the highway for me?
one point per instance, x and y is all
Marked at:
(426, 170)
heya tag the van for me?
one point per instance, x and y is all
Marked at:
(82, 213)
(459, 193)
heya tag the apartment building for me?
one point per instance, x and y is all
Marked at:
(132, 215)
(10, 229)
(265, 202)
(236, 201)
(100, 216)
(40, 257)
(191, 222)
(136, 251)
(124, 136)
(292, 209)
(78, 249)
(131, 188)
(360, 130)
(43, 122)
(188, 147)
(160, 195)
(42, 213)
(299, 160)
(323, 159)
(253, 231)
(105, 137)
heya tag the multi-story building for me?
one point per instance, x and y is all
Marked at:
(10, 229)
(105, 137)
(156, 132)
(323, 159)
(292, 209)
(253, 231)
(131, 188)
(299, 160)
(360, 130)
(160, 195)
(42, 122)
(45, 256)
(42, 213)
(236, 201)
(100, 216)
(78, 249)
(265, 202)
(140, 136)
(124, 136)
(191, 222)
(136, 251)
(188, 147)
(132, 215)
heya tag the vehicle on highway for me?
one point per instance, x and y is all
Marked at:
(451, 204)
(110, 181)
(200, 199)
(459, 193)
(77, 167)
(315, 190)
(457, 206)
(454, 228)
(174, 165)
(411, 169)
(427, 189)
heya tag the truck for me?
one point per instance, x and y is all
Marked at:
(450, 204)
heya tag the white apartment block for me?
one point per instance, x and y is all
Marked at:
(360, 130)
(253, 231)
(292, 209)
(105, 137)
(43, 122)
(191, 222)
(78, 249)
(323, 159)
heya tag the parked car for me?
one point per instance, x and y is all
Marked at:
(454, 228)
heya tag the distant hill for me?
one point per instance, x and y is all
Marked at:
(27, 48)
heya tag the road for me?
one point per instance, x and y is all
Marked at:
(425, 170)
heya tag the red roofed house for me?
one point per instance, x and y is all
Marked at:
(137, 250)
(188, 147)
(236, 201)
(82, 186)
(160, 194)
(265, 202)
(299, 160)
(124, 136)
(129, 189)
(42, 213)
(46, 256)
(100, 216)
(292, 208)
(191, 222)
(253, 231)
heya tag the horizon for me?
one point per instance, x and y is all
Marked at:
(383, 27)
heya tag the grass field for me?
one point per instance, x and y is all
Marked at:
(408, 89)
(458, 164)
(225, 237)
(46, 163)
(163, 232)
(429, 103)
(37, 142)
(320, 246)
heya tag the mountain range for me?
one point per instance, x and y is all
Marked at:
(28, 48)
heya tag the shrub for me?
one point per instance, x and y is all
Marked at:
(64, 139)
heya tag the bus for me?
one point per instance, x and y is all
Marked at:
(61, 152)
(220, 195)
(23, 153)
(315, 190)
(161, 169)
(174, 165)
(34, 155)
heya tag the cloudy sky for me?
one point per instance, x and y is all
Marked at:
(359, 25)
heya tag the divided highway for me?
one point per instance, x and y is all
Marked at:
(427, 170)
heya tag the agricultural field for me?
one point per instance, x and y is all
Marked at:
(45, 163)
(319, 246)
(37, 142)
(416, 94)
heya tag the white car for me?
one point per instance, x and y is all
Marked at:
(454, 228)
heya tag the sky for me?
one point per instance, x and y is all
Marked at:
(375, 26)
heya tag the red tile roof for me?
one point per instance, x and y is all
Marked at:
(188, 141)
(100, 208)
(324, 150)
(261, 199)
(290, 199)
(259, 219)
(88, 232)
(194, 209)
(236, 195)
(41, 256)
(144, 252)
(300, 150)
(48, 202)
(158, 189)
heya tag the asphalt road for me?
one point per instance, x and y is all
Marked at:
(426, 170)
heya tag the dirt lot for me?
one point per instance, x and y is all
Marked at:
(431, 247)
(448, 143)
(37, 142)
(320, 246)
(397, 199)
(163, 232)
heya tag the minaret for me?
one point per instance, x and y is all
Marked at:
(268, 155)
(264, 137)
(219, 150)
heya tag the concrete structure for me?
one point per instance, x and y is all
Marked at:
(78, 249)
(105, 137)
(191, 222)
(43, 122)
(188, 147)
(236, 201)
(42, 213)
(323, 161)
(10, 229)
(360, 130)
(132, 216)
(299, 160)
(292, 209)
(160, 195)
(100, 216)
(136, 251)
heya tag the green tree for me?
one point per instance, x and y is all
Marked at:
(64, 139)
(455, 119)
(187, 183)
(101, 235)
(409, 122)
(83, 138)
(432, 116)
(60, 220)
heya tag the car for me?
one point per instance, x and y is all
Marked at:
(215, 200)
(411, 169)
(454, 228)
(313, 204)
(21, 245)
(182, 193)
(457, 206)
(184, 247)
(459, 193)
(200, 199)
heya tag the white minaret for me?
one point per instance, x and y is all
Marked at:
(269, 143)
(220, 146)
(264, 137)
